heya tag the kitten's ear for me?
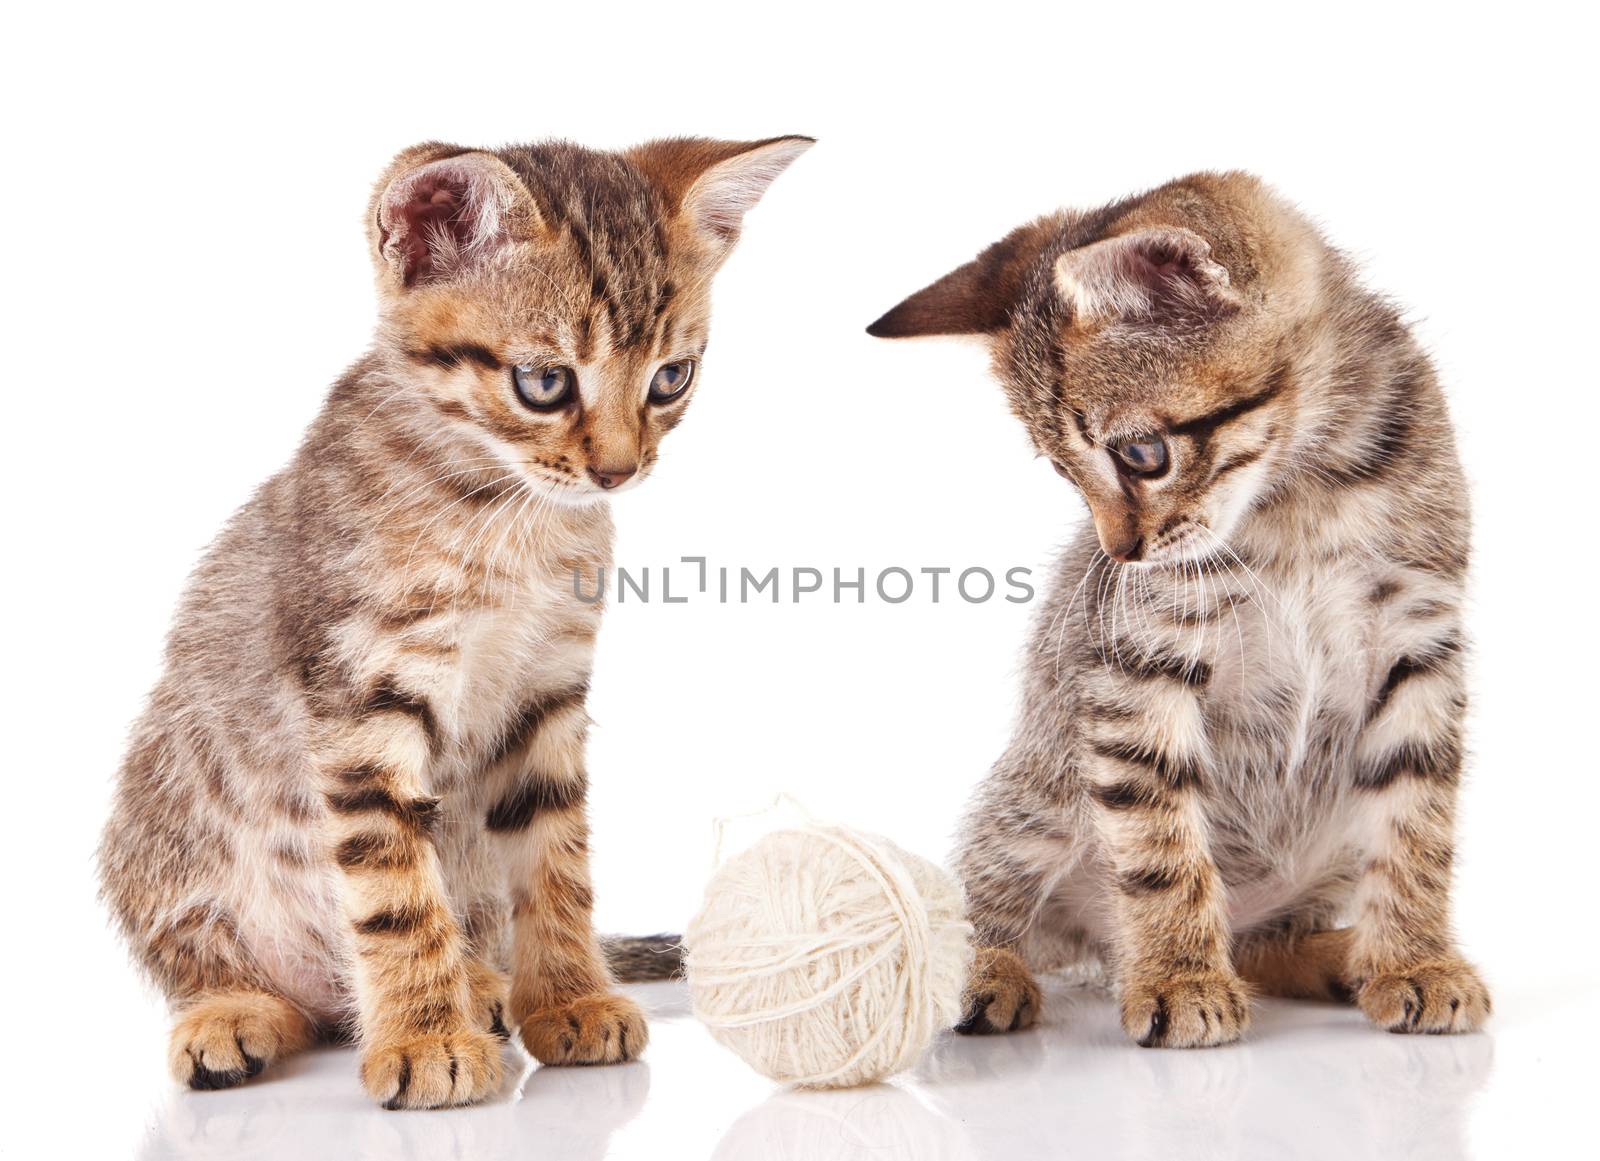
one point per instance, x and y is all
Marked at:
(711, 185)
(1145, 275)
(975, 299)
(439, 210)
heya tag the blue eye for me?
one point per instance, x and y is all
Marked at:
(670, 380)
(1143, 456)
(543, 388)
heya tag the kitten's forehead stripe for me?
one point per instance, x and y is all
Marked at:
(1202, 427)
(614, 220)
(451, 355)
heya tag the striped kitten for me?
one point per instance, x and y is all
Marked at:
(356, 799)
(1240, 740)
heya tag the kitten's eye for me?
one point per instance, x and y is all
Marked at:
(543, 388)
(1061, 469)
(1145, 455)
(670, 380)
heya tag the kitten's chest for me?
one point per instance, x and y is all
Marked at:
(535, 641)
(1291, 676)
(1284, 714)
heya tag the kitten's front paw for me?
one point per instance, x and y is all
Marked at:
(432, 1071)
(1442, 996)
(1186, 1012)
(604, 1028)
(1001, 994)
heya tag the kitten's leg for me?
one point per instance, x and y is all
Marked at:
(226, 1037)
(1005, 889)
(1315, 966)
(1412, 978)
(562, 996)
(1145, 766)
(424, 1043)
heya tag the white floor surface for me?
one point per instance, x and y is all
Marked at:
(1311, 1081)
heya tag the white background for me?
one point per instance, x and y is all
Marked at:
(186, 273)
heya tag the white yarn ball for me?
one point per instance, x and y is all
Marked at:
(825, 957)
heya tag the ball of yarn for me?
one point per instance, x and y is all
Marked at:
(825, 957)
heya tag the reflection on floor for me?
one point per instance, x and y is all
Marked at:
(1312, 1081)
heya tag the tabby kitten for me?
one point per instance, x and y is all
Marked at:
(357, 796)
(1240, 740)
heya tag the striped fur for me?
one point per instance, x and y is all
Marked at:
(356, 801)
(1240, 739)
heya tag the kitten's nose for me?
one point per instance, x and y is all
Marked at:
(1127, 550)
(609, 478)
(1119, 534)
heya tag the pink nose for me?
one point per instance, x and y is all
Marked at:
(609, 478)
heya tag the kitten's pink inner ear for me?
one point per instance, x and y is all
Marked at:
(436, 218)
(433, 211)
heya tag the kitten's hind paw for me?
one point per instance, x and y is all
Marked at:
(491, 996)
(1001, 994)
(1445, 996)
(605, 1028)
(1188, 1012)
(225, 1039)
(497, 1023)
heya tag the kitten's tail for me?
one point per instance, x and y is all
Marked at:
(636, 958)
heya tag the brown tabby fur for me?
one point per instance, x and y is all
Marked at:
(1240, 741)
(357, 798)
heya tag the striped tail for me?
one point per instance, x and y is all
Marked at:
(635, 959)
